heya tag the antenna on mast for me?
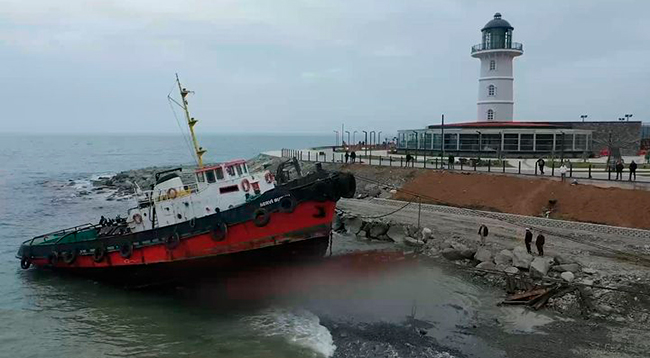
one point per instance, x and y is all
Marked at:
(191, 122)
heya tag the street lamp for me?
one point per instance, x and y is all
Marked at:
(336, 143)
(628, 116)
(621, 118)
(354, 139)
(365, 142)
(378, 137)
(479, 144)
(583, 116)
(348, 132)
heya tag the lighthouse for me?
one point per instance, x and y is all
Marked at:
(495, 84)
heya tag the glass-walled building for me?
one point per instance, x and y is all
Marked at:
(511, 139)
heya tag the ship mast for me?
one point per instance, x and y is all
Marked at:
(191, 122)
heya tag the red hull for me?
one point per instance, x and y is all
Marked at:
(309, 220)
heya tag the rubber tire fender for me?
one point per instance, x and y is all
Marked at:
(25, 263)
(99, 253)
(53, 258)
(220, 231)
(172, 241)
(126, 249)
(346, 185)
(69, 257)
(261, 217)
(288, 204)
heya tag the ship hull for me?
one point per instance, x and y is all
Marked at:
(292, 221)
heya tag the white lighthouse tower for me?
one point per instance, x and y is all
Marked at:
(495, 85)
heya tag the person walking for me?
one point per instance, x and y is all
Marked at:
(408, 159)
(528, 239)
(632, 170)
(482, 233)
(451, 161)
(540, 244)
(619, 169)
(540, 163)
(347, 156)
(563, 170)
(353, 156)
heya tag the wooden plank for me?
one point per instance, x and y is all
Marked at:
(528, 294)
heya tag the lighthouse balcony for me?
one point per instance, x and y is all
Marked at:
(513, 46)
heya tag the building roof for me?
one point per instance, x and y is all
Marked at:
(497, 23)
(501, 125)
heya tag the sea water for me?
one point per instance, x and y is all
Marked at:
(45, 184)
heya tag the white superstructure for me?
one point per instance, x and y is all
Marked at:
(495, 84)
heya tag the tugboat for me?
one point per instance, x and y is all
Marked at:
(227, 215)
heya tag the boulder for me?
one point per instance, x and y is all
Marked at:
(452, 254)
(458, 246)
(567, 276)
(511, 269)
(562, 260)
(337, 224)
(413, 242)
(521, 258)
(540, 266)
(504, 257)
(468, 253)
(353, 224)
(483, 255)
(377, 229)
(372, 190)
(588, 270)
(396, 233)
(566, 267)
(486, 265)
(426, 234)
(384, 237)
(362, 234)
(446, 244)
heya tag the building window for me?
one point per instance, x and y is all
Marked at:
(511, 142)
(493, 65)
(490, 115)
(491, 90)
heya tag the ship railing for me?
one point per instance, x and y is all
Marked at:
(146, 196)
(60, 233)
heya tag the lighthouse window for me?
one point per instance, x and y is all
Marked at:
(210, 176)
(490, 115)
(491, 90)
(219, 172)
(493, 65)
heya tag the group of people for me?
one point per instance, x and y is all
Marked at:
(619, 166)
(350, 157)
(528, 239)
(104, 222)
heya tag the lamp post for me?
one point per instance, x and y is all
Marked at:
(479, 144)
(628, 116)
(621, 118)
(336, 142)
(583, 116)
(562, 149)
(378, 137)
(348, 132)
(354, 139)
(365, 142)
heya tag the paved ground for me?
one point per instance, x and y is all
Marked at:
(598, 176)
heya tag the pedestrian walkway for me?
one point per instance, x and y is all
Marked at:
(519, 167)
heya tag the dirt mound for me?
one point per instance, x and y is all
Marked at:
(612, 206)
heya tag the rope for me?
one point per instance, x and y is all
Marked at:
(183, 134)
(384, 215)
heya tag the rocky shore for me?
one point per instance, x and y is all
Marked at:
(586, 292)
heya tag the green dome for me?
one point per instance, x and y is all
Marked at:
(497, 23)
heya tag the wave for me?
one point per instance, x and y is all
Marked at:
(298, 326)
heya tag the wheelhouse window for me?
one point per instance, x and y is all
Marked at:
(244, 168)
(219, 172)
(200, 177)
(230, 170)
(493, 65)
(490, 115)
(239, 171)
(491, 90)
(210, 176)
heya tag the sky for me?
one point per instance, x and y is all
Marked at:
(91, 66)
